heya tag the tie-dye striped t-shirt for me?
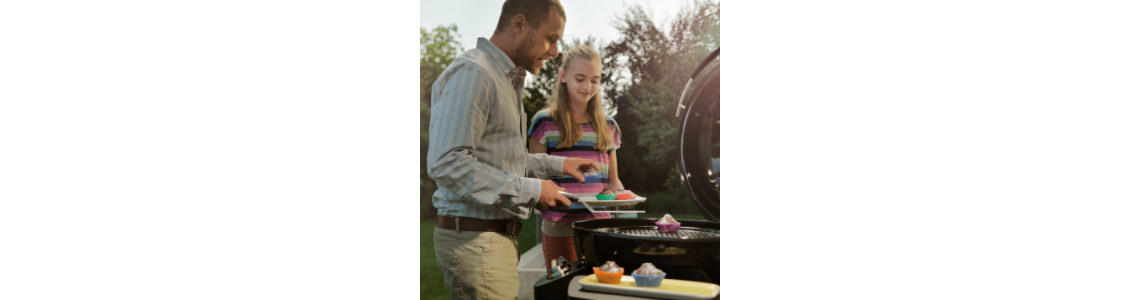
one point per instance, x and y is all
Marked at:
(545, 131)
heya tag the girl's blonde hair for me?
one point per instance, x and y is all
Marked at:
(568, 131)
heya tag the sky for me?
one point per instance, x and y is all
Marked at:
(477, 18)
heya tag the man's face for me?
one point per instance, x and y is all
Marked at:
(540, 43)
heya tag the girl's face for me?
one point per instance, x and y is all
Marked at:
(582, 79)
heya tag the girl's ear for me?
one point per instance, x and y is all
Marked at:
(561, 76)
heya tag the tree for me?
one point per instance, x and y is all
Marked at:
(659, 64)
(438, 48)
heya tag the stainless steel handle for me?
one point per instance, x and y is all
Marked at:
(681, 103)
(708, 59)
(572, 197)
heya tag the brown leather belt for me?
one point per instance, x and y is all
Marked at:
(509, 227)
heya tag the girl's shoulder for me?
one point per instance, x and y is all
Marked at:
(542, 119)
(542, 116)
(611, 121)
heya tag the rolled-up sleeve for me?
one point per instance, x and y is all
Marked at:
(460, 108)
(543, 166)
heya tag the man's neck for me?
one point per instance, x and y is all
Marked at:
(505, 43)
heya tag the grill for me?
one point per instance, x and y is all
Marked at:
(651, 231)
(692, 253)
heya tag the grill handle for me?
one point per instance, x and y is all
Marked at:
(572, 197)
(681, 103)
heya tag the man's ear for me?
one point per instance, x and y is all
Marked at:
(517, 25)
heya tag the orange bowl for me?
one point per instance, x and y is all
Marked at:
(623, 196)
(607, 277)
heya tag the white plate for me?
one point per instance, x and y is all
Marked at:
(593, 202)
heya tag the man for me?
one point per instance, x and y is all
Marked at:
(478, 156)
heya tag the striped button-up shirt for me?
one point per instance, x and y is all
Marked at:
(477, 152)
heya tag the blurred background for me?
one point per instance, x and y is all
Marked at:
(648, 51)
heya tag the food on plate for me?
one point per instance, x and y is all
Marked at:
(610, 266)
(648, 269)
(648, 276)
(606, 194)
(609, 272)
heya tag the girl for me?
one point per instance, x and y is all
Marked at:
(574, 126)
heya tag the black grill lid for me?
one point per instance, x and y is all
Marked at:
(699, 148)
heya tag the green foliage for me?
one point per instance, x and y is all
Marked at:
(431, 281)
(437, 49)
(668, 202)
(659, 64)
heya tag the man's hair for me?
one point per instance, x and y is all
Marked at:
(535, 12)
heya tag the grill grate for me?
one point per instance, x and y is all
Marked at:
(683, 233)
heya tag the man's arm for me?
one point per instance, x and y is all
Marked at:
(538, 164)
(542, 165)
(546, 166)
(458, 119)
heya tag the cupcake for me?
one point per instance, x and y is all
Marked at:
(667, 224)
(648, 276)
(609, 272)
(592, 177)
(606, 194)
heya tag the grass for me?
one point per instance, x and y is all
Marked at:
(673, 202)
(431, 282)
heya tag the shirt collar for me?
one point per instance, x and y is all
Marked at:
(501, 61)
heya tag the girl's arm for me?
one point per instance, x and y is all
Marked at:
(615, 183)
(535, 146)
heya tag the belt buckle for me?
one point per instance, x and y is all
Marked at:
(514, 228)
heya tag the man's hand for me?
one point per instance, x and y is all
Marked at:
(550, 197)
(573, 167)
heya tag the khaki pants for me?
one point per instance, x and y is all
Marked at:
(477, 264)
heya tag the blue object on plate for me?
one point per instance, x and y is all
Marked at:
(648, 280)
(594, 178)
